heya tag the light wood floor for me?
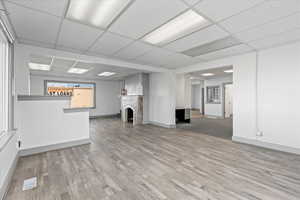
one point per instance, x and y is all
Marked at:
(152, 163)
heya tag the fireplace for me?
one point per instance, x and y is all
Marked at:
(132, 109)
(129, 115)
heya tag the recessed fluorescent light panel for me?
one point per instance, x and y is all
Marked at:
(207, 74)
(106, 74)
(99, 13)
(38, 66)
(212, 46)
(180, 26)
(74, 70)
(229, 71)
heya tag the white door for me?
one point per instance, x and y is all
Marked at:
(228, 100)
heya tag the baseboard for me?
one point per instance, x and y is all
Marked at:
(213, 117)
(161, 124)
(42, 149)
(8, 178)
(267, 145)
(104, 116)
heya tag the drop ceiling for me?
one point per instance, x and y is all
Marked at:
(59, 67)
(218, 72)
(255, 24)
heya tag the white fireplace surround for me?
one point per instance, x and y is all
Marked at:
(134, 102)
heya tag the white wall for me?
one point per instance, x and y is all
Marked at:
(196, 96)
(162, 101)
(8, 157)
(279, 95)
(215, 109)
(180, 91)
(107, 93)
(183, 91)
(134, 84)
(49, 125)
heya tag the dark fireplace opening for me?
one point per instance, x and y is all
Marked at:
(129, 115)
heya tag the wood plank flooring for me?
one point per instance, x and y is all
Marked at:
(153, 163)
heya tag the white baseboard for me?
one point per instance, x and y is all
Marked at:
(8, 178)
(103, 116)
(267, 145)
(161, 124)
(42, 149)
(213, 117)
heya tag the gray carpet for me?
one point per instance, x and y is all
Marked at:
(216, 127)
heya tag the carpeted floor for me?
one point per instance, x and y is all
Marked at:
(216, 127)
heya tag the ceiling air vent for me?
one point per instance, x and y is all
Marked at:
(212, 46)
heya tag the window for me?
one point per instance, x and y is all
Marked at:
(213, 94)
(4, 85)
(82, 94)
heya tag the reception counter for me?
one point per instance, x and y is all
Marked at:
(47, 123)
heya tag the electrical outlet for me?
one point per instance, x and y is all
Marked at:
(259, 133)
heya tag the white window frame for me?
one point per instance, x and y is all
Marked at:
(4, 86)
(213, 94)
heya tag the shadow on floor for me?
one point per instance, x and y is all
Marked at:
(215, 127)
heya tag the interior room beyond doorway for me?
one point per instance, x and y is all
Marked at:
(209, 95)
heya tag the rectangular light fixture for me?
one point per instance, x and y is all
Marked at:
(207, 74)
(106, 74)
(229, 71)
(98, 13)
(74, 70)
(180, 26)
(38, 66)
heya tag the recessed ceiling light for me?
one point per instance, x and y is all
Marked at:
(99, 13)
(106, 74)
(180, 26)
(208, 74)
(38, 66)
(229, 71)
(74, 70)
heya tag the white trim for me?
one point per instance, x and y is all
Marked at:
(160, 124)
(8, 178)
(43, 149)
(266, 145)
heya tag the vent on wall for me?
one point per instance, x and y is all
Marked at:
(212, 46)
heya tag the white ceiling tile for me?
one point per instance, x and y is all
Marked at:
(109, 44)
(59, 62)
(35, 43)
(161, 57)
(40, 59)
(144, 16)
(264, 13)
(54, 7)
(192, 2)
(134, 50)
(77, 36)
(63, 48)
(236, 50)
(276, 27)
(201, 37)
(218, 10)
(276, 40)
(33, 25)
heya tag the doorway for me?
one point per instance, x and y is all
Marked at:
(211, 100)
